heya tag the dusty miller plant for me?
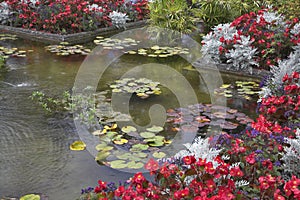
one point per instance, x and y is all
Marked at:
(5, 13)
(200, 148)
(291, 157)
(118, 19)
(287, 66)
(241, 56)
(211, 41)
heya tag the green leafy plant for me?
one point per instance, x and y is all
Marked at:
(172, 14)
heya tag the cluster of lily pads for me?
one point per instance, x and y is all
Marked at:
(12, 52)
(161, 52)
(244, 89)
(198, 117)
(154, 51)
(109, 43)
(5, 36)
(142, 87)
(64, 49)
(136, 146)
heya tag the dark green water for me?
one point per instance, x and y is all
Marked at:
(35, 155)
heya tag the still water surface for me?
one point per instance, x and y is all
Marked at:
(35, 155)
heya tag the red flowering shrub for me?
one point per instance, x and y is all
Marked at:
(280, 114)
(71, 16)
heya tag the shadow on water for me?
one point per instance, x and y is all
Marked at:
(35, 155)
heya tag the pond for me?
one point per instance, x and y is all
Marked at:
(35, 155)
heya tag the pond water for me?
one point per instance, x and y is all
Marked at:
(35, 155)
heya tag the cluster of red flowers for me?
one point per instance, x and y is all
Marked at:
(279, 113)
(71, 16)
(272, 39)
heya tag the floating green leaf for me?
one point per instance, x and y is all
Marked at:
(135, 165)
(155, 129)
(118, 164)
(31, 197)
(102, 155)
(159, 155)
(77, 146)
(147, 134)
(140, 147)
(124, 156)
(128, 129)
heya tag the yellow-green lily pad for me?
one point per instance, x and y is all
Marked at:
(118, 164)
(128, 129)
(159, 155)
(102, 155)
(31, 197)
(155, 129)
(147, 134)
(77, 146)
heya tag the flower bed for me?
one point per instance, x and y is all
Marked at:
(66, 17)
(254, 40)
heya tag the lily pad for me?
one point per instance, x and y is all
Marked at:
(135, 165)
(155, 129)
(102, 155)
(118, 164)
(77, 146)
(140, 147)
(121, 141)
(159, 155)
(128, 129)
(147, 134)
(103, 147)
(124, 156)
(31, 197)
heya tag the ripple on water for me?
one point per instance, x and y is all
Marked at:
(33, 153)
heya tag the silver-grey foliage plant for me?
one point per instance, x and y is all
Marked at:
(291, 155)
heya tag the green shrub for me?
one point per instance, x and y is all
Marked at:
(172, 14)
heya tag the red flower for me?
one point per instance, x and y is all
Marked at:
(236, 172)
(119, 192)
(151, 165)
(138, 178)
(209, 168)
(188, 160)
(251, 158)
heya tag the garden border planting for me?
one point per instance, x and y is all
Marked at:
(82, 37)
